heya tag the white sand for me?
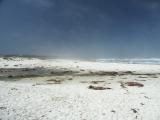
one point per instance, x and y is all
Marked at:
(35, 99)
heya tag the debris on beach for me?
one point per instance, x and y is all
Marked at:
(134, 110)
(54, 81)
(96, 82)
(98, 87)
(70, 78)
(83, 82)
(14, 89)
(124, 84)
(3, 108)
(113, 111)
(143, 77)
(134, 84)
(147, 97)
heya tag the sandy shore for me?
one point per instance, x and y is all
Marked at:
(34, 89)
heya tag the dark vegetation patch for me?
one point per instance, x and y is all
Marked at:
(147, 97)
(113, 111)
(114, 73)
(100, 73)
(41, 72)
(142, 104)
(106, 73)
(7, 58)
(16, 65)
(61, 72)
(22, 76)
(154, 76)
(14, 89)
(108, 88)
(147, 74)
(70, 78)
(98, 87)
(10, 76)
(108, 83)
(139, 80)
(128, 72)
(28, 69)
(122, 84)
(83, 82)
(54, 81)
(34, 72)
(38, 84)
(96, 82)
(135, 73)
(143, 77)
(3, 108)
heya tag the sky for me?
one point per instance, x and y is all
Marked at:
(81, 28)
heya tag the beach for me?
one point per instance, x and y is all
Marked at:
(72, 89)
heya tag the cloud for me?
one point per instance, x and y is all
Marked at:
(40, 3)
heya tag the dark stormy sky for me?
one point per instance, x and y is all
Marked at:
(80, 28)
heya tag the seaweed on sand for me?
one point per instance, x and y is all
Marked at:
(98, 87)
(134, 84)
